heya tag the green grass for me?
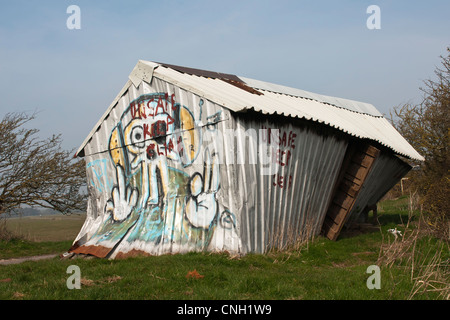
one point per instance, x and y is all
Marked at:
(16, 248)
(321, 269)
(275, 276)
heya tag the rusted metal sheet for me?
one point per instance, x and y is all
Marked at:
(203, 73)
(98, 251)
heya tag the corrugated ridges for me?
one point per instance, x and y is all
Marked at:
(357, 119)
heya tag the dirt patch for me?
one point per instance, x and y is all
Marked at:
(23, 259)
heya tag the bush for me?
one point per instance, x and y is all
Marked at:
(437, 205)
(427, 128)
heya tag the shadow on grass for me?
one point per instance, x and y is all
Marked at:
(389, 219)
(373, 225)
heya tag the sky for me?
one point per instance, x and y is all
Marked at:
(71, 76)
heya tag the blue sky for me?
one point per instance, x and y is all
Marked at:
(71, 76)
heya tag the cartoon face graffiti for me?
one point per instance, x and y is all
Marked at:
(149, 143)
(159, 197)
(159, 131)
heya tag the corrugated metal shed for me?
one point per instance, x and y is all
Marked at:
(187, 159)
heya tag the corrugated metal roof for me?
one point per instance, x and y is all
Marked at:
(351, 105)
(358, 119)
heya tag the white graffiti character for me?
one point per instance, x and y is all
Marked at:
(201, 207)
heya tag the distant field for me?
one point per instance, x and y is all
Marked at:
(47, 228)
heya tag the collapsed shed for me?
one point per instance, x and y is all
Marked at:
(187, 160)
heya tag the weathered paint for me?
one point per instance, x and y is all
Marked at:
(284, 197)
(157, 190)
(171, 170)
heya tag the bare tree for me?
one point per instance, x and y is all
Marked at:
(37, 172)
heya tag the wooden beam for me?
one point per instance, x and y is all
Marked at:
(357, 164)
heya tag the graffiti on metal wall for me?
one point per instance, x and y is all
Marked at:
(284, 143)
(157, 195)
(99, 169)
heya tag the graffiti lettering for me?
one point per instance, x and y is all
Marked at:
(159, 106)
(278, 137)
(153, 106)
(281, 157)
(282, 181)
(281, 154)
(157, 129)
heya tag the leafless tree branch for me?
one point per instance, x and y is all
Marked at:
(37, 172)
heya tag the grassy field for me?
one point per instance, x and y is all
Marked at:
(47, 228)
(414, 266)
